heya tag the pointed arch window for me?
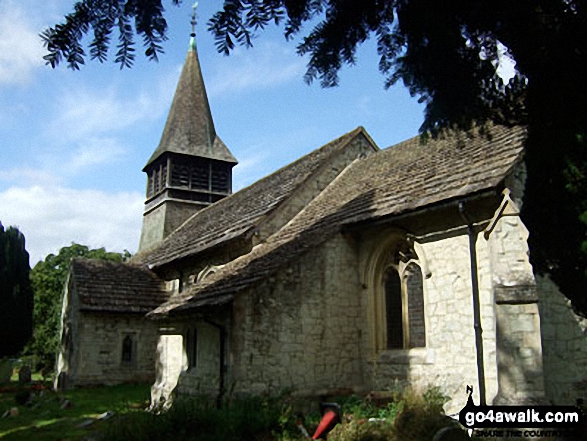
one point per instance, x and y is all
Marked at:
(394, 314)
(403, 302)
(414, 288)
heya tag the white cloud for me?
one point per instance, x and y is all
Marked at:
(29, 176)
(58, 168)
(21, 50)
(81, 113)
(95, 151)
(268, 65)
(51, 218)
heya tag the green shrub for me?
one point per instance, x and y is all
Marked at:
(198, 419)
(409, 416)
(421, 417)
(362, 430)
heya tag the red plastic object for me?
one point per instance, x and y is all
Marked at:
(327, 423)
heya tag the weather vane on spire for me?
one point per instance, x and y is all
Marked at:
(194, 7)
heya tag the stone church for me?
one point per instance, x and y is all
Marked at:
(351, 270)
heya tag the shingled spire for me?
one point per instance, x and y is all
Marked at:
(190, 129)
(191, 168)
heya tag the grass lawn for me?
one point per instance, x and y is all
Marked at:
(47, 418)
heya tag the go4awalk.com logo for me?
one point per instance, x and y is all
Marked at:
(567, 419)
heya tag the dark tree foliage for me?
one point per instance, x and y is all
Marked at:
(48, 279)
(16, 296)
(445, 53)
(101, 17)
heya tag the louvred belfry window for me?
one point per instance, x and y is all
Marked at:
(220, 179)
(199, 174)
(156, 181)
(157, 177)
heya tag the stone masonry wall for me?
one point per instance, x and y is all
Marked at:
(161, 221)
(519, 354)
(564, 345)
(67, 358)
(301, 330)
(204, 377)
(99, 345)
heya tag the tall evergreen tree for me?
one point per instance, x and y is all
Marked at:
(16, 296)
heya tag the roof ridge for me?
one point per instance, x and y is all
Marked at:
(351, 136)
(343, 140)
(357, 199)
(297, 161)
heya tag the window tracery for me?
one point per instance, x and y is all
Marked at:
(395, 276)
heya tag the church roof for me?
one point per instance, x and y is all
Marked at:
(241, 212)
(189, 128)
(402, 179)
(105, 286)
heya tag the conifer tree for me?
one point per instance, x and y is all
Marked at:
(16, 296)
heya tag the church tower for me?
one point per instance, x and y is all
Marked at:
(191, 168)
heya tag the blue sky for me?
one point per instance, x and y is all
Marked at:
(73, 144)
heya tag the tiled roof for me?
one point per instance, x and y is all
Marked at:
(237, 214)
(106, 286)
(189, 128)
(401, 179)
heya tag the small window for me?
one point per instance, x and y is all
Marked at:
(128, 350)
(192, 347)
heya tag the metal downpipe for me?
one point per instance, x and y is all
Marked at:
(476, 302)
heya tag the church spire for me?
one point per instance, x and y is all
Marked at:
(189, 129)
(191, 167)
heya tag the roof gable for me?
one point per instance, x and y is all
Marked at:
(405, 178)
(238, 214)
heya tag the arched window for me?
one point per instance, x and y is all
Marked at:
(127, 349)
(393, 309)
(394, 277)
(403, 302)
(414, 288)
